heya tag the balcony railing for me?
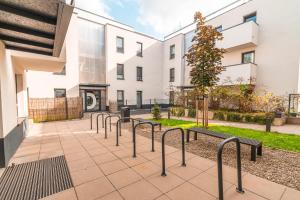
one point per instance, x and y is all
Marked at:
(241, 73)
(240, 36)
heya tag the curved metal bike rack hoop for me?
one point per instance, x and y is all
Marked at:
(119, 128)
(91, 118)
(105, 125)
(134, 138)
(97, 119)
(220, 167)
(163, 173)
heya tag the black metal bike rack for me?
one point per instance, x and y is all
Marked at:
(134, 138)
(91, 119)
(97, 119)
(119, 128)
(163, 149)
(220, 167)
(105, 125)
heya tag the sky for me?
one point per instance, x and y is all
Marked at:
(156, 18)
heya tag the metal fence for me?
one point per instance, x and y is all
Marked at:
(52, 109)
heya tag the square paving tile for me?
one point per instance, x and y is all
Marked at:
(66, 194)
(123, 178)
(94, 189)
(104, 158)
(86, 175)
(209, 183)
(229, 173)
(169, 162)
(186, 172)
(201, 163)
(130, 161)
(147, 169)
(263, 187)
(81, 164)
(291, 194)
(113, 166)
(247, 195)
(141, 190)
(112, 196)
(187, 191)
(165, 183)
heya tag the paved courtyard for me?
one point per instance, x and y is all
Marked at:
(101, 170)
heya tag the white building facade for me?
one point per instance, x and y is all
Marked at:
(107, 61)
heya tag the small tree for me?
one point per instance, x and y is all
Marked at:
(156, 112)
(204, 58)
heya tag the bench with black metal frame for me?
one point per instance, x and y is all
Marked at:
(146, 120)
(256, 146)
(105, 124)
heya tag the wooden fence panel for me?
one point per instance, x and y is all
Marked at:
(53, 109)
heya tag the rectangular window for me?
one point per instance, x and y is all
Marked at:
(120, 71)
(251, 17)
(139, 73)
(59, 92)
(248, 57)
(219, 28)
(120, 97)
(172, 75)
(139, 51)
(172, 51)
(120, 44)
(62, 72)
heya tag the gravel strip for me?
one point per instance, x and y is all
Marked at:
(279, 166)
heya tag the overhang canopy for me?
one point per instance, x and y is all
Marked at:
(35, 26)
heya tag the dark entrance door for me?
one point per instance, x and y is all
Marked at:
(92, 100)
(139, 99)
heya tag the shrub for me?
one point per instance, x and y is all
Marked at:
(259, 119)
(180, 112)
(219, 115)
(156, 112)
(249, 118)
(234, 117)
(191, 112)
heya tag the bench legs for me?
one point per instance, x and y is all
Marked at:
(195, 136)
(187, 136)
(259, 150)
(253, 153)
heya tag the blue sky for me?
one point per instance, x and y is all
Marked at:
(153, 17)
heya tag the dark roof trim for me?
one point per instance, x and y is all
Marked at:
(28, 50)
(26, 30)
(28, 13)
(25, 41)
(94, 85)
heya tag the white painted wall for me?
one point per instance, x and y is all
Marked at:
(151, 63)
(42, 84)
(7, 92)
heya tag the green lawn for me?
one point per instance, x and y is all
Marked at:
(288, 142)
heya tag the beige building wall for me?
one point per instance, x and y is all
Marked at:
(7, 92)
(151, 63)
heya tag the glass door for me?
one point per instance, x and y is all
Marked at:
(92, 100)
(139, 99)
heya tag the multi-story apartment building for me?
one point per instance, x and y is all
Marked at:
(107, 61)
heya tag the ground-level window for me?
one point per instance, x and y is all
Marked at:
(59, 92)
(172, 75)
(251, 17)
(120, 97)
(171, 97)
(139, 99)
(139, 73)
(248, 57)
(120, 71)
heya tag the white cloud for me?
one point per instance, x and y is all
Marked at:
(166, 16)
(95, 6)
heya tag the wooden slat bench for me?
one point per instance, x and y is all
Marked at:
(256, 146)
(145, 120)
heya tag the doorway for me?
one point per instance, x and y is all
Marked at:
(139, 99)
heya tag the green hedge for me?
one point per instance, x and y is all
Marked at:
(192, 112)
(177, 111)
(257, 118)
